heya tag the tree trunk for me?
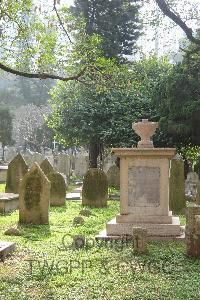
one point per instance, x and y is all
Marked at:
(93, 153)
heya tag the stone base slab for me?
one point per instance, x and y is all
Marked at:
(6, 248)
(8, 202)
(105, 237)
(137, 219)
(165, 230)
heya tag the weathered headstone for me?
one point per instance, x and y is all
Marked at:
(63, 164)
(193, 230)
(17, 168)
(140, 240)
(198, 194)
(3, 173)
(191, 184)
(37, 157)
(108, 162)
(58, 189)
(81, 165)
(113, 176)
(177, 185)
(95, 188)
(34, 197)
(46, 166)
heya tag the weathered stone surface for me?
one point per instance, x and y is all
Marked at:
(3, 173)
(6, 248)
(37, 158)
(79, 241)
(113, 176)
(64, 164)
(58, 189)
(17, 168)
(85, 212)
(78, 221)
(198, 194)
(145, 130)
(46, 166)
(12, 231)
(193, 230)
(143, 186)
(140, 240)
(191, 184)
(34, 197)
(177, 199)
(108, 162)
(81, 165)
(95, 188)
(8, 202)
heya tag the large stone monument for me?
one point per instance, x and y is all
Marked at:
(144, 189)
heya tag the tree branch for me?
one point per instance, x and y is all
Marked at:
(174, 17)
(61, 22)
(41, 75)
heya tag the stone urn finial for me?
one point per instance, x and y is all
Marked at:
(145, 130)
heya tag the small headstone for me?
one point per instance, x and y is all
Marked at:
(81, 165)
(177, 185)
(37, 157)
(17, 168)
(85, 212)
(12, 231)
(140, 240)
(6, 248)
(78, 221)
(113, 176)
(64, 164)
(46, 166)
(192, 230)
(34, 197)
(58, 189)
(78, 241)
(95, 188)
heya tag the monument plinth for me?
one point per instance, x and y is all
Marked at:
(144, 188)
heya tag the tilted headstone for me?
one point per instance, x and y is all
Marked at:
(192, 231)
(58, 189)
(17, 168)
(177, 185)
(34, 197)
(140, 239)
(46, 166)
(113, 176)
(95, 188)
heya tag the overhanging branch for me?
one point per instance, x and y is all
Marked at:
(41, 75)
(61, 22)
(174, 17)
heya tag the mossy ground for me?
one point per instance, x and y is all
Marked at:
(107, 271)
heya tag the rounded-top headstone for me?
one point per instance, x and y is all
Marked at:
(17, 168)
(58, 189)
(46, 166)
(113, 176)
(95, 188)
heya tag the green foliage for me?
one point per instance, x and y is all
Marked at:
(117, 22)
(106, 111)
(178, 99)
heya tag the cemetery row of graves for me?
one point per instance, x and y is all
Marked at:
(52, 249)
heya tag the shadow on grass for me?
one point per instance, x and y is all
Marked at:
(35, 232)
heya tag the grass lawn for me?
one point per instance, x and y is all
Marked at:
(46, 266)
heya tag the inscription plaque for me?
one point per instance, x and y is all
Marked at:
(144, 186)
